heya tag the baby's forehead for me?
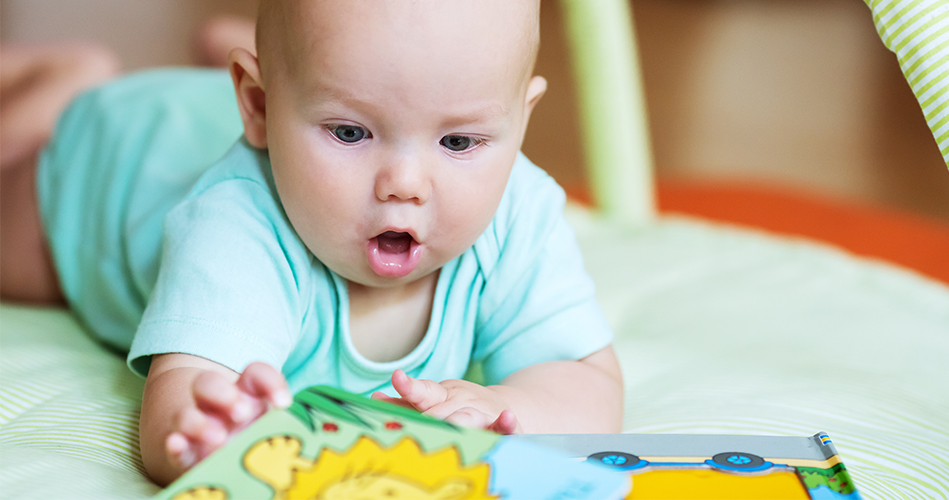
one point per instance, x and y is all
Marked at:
(291, 30)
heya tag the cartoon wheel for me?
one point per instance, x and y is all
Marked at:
(739, 461)
(617, 459)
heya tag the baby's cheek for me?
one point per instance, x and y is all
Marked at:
(462, 225)
(315, 209)
(474, 214)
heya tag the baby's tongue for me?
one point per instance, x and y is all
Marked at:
(393, 242)
(393, 254)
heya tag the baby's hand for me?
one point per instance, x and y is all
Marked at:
(221, 409)
(456, 401)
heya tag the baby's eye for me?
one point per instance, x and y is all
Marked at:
(459, 143)
(349, 133)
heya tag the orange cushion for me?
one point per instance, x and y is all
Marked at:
(907, 239)
(910, 240)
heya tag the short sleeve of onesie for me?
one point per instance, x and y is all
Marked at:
(227, 288)
(538, 303)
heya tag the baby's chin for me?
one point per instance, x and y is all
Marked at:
(369, 280)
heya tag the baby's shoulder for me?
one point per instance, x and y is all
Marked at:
(529, 181)
(236, 198)
(243, 171)
(532, 201)
(232, 219)
(530, 209)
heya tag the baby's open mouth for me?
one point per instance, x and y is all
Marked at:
(393, 242)
(393, 254)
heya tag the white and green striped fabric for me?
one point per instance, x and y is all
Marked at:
(918, 32)
(68, 412)
(718, 330)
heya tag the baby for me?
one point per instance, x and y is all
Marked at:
(374, 228)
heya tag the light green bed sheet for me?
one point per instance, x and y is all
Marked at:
(719, 330)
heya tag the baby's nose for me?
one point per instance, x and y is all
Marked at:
(404, 179)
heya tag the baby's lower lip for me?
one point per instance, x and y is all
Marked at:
(393, 255)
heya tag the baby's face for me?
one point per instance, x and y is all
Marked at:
(393, 127)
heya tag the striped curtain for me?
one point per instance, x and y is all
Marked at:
(918, 32)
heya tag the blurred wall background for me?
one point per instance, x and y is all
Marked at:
(799, 93)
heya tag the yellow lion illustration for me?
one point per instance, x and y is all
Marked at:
(202, 493)
(366, 471)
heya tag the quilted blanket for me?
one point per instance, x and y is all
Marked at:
(719, 330)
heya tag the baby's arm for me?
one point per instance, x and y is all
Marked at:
(583, 396)
(192, 406)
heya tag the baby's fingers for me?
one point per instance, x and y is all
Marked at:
(214, 393)
(469, 417)
(179, 450)
(201, 429)
(262, 381)
(381, 396)
(196, 437)
(420, 393)
(506, 423)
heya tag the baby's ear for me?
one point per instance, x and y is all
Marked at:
(535, 90)
(248, 86)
